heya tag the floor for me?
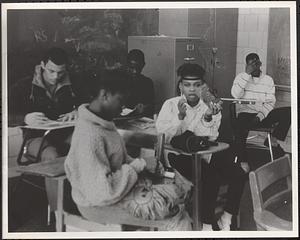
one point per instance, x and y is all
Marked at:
(28, 204)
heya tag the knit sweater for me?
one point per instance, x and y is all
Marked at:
(97, 166)
(261, 89)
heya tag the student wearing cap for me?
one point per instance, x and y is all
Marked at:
(188, 113)
(252, 84)
(142, 90)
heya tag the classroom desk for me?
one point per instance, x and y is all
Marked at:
(47, 128)
(143, 135)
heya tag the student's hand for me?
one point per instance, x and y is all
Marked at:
(35, 118)
(213, 109)
(68, 116)
(250, 68)
(253, 66)
(151, 164)
(182, 108)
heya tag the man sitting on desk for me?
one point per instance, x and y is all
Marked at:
(142, 90)
(189, 115)
(252, 84)
(49, 96)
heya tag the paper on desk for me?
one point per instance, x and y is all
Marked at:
(126, 111)
(51, 123)
(143, 123)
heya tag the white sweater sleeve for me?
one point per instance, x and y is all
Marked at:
(213, 126)
(270, 94)
(168, 122)
(239, 84)
(88, 169)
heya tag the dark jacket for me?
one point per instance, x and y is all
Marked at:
(142, 91)
(30, 95)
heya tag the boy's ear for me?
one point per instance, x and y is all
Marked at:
(43, 64)
(102, 94)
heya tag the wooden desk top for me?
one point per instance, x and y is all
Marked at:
(52, 169)
(53, 125)
(213, 149)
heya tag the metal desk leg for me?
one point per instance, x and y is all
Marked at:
(60, 215)
(21, 152)
(197, 203)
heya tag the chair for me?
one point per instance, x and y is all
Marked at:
(233, 119)
(272, 206)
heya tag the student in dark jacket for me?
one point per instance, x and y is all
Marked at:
(142, 89)
(48, 95)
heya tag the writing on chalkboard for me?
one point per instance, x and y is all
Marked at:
(94, 39)
(283, 65)
(40, 35)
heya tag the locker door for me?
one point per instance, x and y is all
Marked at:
(193, 48)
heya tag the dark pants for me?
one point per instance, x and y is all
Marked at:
(220, 169)
(245, 121)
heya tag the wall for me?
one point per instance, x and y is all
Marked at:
(173, 22)
(278, 64)
(252, 35)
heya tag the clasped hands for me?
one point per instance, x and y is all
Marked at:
(213, 109)
(39, 118)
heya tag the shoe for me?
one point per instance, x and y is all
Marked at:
(207, 227)
(223, 226)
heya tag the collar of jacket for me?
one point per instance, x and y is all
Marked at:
(86, 115)
(38, 79)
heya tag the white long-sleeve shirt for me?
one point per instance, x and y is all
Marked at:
(261, 89)
(169, 123)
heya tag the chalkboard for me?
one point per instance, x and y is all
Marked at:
(93, 38)
(278, 58)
